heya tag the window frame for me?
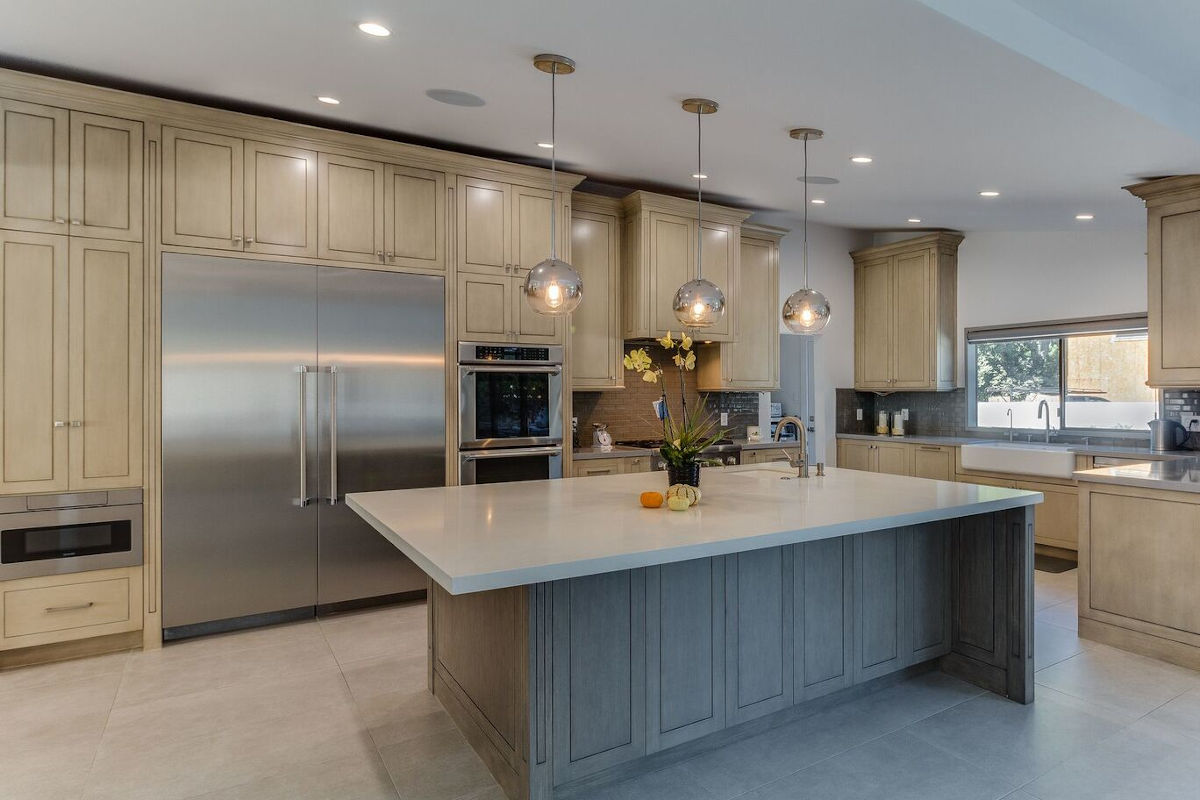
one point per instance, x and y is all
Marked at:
(1062, 330)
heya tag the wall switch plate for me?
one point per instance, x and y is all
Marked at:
(574, 424)
(858, 413)
(904, 414)
(724, 417)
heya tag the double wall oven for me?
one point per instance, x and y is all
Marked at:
(510, 416)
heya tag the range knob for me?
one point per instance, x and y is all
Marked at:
(731, 460)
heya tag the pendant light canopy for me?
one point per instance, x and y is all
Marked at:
(806, 311)
(553, 287)
(699, 303)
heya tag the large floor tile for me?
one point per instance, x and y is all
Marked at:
(1013, 742)
(1064, 615)
(1050, 588)
(350, 778)
(19, 678)
(1181, 714)
(673, 783)
(392, 631)
(1052, 644)
(438, 766)
(394, 717)
(406, 673)
(896, 767)
(1124, 681)
(1140, 762)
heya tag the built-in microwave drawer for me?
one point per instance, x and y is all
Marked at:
(58, 608)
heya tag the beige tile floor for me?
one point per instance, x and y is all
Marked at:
(337, 708)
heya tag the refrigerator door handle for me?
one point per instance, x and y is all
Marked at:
(302, 499)
(333, 437)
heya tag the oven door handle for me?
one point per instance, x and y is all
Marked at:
(516, 452)
(471, 370)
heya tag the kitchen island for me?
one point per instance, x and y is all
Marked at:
(577, 638)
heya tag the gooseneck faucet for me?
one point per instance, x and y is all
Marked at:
(801, 460)
(1046, 406)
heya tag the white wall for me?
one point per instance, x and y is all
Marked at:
(831, 272)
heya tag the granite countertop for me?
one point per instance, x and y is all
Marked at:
(1177, 475)
(618, 451)
(1113, 451)
(496, 535)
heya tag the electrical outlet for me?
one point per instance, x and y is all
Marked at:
(858, 412)
(574, 424)
(724, 417)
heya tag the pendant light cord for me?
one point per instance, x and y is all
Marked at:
(806, 211)
(699, 199)
(553, 162)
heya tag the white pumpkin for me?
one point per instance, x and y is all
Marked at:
(690, 493)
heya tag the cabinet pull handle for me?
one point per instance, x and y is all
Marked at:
(934, 449)
(379, 255)
(237, 240)
(74, 222)
(58, 423)
(249, 240)
(60, 221)
(76, 423)
(77, 607)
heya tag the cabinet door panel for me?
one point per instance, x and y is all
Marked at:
(873, 325)
(1175, 234)
(281, 200)
(936, 463)
(34, 143)
(854, 455)
(484, 305)
(824, 642)
(106, 177)
(1056, 518)
(912, 328)
(929, 588)
(753, 360)
(530, 326)
(758, 588)
(719, 245)
(350, 209)
(33, 362)
(416, 217)
(893, 459)
(595, 326)
(671, 251)
(880, 618)
(106, 364)
(484, 226)
(202, 189)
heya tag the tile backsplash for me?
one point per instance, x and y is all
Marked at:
(929, 413)
(1180, 403)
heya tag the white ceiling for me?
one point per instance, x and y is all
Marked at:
(945, 110)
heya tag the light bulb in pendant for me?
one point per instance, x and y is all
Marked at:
(806, 311)
(699, 304)
(553, 288)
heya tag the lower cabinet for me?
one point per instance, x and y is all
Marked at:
(892, 458)
(617, 465)
(1056, 519)
(765, 455)
(62, 608)
(932, 461)
(758, 633)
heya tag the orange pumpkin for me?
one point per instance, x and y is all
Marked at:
(651, 499)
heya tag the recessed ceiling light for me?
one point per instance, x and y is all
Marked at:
(913, 219)
(699, 176)
(546, 145)
(332, 101)
(861, 159)
(989, 193)
(816, 201)
(1085, 217)
(454, 97)
(373, 29)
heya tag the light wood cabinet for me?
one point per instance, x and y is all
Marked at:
(596, 344)
(766, 455)
(904, 314)
(484, 307)
(33, 362)
(70, 172)
(484, 226)
(1172, 251)
(106, 177)
(659, 244)
(71, 363)
(202, 189)
(61, 608)
(750, 364)
(350, 209)
(281, 200)
(415, 218)
(1056, 519)
(893, 459)
(34, 167)
(616, 465)
(933, 461)
(887, 457)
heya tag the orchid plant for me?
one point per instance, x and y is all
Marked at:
(695, 430)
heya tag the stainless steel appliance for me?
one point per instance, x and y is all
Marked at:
(1167, 434)
(52, 534)
(510, 412)
(726, 452)
(284, 387)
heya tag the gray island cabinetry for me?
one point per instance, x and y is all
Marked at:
(574, 654)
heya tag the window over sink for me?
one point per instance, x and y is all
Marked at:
(1090, 373)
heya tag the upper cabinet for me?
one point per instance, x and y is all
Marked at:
(414, 218)
(659, 246)
(750, 364)
(70, 172)
(350, 209)
(905, 310)
(224, 193)
(596, 345)
(1172, 255)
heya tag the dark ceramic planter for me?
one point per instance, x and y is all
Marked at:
(687, 474)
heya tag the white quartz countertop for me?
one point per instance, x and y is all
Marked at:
(1180, 475)
(1140, 451)
(492, 536)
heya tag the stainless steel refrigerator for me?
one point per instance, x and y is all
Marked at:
(286, 386)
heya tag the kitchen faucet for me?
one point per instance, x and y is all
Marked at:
(801, 460)
(1010, 427)
(1046, 406)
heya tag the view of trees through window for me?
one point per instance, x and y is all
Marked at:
(1101, 378)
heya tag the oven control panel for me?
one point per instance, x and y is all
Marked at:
(506, 353)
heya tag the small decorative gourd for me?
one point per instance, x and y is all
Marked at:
(689, 493)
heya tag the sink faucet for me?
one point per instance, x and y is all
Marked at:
(1045, 405)
(1010, 427)
(801, 460)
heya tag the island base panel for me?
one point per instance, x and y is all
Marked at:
(565, 685)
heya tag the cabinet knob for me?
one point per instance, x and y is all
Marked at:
(58, 423)
(237, 240)
(76, 423)
(60, 221)
(249, 240)
(379, 255)
(74, 222)
(390, 255)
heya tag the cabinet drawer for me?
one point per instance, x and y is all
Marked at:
(66, 607)
(591, 467)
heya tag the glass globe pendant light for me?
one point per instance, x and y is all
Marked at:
(806, 311)
(699, 303)
(553, 287)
